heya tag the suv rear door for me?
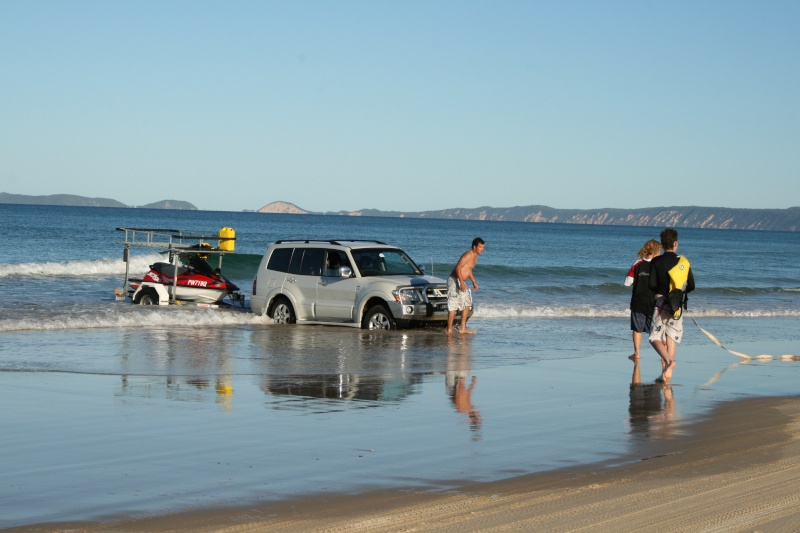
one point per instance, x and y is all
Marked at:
(305, 271)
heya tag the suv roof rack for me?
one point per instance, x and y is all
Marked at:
(337, 241)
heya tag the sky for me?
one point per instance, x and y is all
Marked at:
(403, 105)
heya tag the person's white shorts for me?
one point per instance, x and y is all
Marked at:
(457, 300)
(664, 325)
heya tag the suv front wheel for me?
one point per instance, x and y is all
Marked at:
(378, 317)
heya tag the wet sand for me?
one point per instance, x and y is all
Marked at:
(737, 469)
(265, 430)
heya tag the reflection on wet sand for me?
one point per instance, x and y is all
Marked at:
(324, 363)
(369, 367)
(177, 364)
(458, 368)
(652, 408)
(302, 365)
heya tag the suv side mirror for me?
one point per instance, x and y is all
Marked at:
(422, 268)
(345, 272)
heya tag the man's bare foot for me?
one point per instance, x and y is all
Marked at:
(466, 331)
(449, 331)
(667, 374)
(633, 357)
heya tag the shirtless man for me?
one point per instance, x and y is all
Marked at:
(459, 297)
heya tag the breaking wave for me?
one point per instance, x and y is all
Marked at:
(91, 268)
(239, 267)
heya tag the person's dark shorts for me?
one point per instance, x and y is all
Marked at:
(641, 322)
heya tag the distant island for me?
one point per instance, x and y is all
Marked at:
(170, 204)
(83, 201)
(677, 217)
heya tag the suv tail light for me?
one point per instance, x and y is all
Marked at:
(255, 280)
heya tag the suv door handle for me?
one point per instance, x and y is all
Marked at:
(323, 283)
(291, 279)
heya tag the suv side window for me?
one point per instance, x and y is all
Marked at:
(367, 262)
(307, 261)
(279, 260)
(334, 260)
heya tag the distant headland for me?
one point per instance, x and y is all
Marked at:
(677, 217)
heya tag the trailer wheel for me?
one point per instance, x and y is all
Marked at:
(147, 297)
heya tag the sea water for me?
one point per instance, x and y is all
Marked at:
(111, 408)
(59, 265)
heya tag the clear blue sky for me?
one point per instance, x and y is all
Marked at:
(403, 105)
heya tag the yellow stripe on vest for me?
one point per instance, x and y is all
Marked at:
(679, 274)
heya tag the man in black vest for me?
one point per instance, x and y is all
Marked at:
(667, 330)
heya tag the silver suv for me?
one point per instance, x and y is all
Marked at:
(351, 283)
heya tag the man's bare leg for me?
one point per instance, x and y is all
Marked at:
(463, 327)
(637, 342)
(451, 315)
(672, 348)
(666, 361)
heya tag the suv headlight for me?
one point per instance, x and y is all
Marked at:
(407, 296)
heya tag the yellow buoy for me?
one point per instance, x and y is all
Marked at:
(227, 238)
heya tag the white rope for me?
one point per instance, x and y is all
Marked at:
(762, 357)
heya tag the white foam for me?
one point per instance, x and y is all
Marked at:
(495, 311)
(125, 315)
(137, 317)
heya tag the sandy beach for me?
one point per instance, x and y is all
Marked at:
(735, 470)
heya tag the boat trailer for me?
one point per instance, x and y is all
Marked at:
(175, 241)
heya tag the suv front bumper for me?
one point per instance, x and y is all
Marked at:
(407, 315)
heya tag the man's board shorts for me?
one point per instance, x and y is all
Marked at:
(641, 322)
(664, 325)
(457, 300)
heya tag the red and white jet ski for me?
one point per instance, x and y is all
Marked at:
(197, 283)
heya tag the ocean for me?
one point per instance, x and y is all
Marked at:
(116, 409)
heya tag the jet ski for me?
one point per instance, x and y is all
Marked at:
(197, 283)
(187, 277)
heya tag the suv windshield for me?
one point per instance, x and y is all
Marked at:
(384, 262)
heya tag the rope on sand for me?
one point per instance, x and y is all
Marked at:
(763, 357)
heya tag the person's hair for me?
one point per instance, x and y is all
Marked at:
(668, 238)
(651, 247)
(476, 241)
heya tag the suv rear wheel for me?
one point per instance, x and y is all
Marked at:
(282, 311)
(378, 317)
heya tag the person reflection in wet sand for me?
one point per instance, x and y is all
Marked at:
(456, 380)
(648, 414)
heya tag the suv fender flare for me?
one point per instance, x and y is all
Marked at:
(279, 294)
(373, 298)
